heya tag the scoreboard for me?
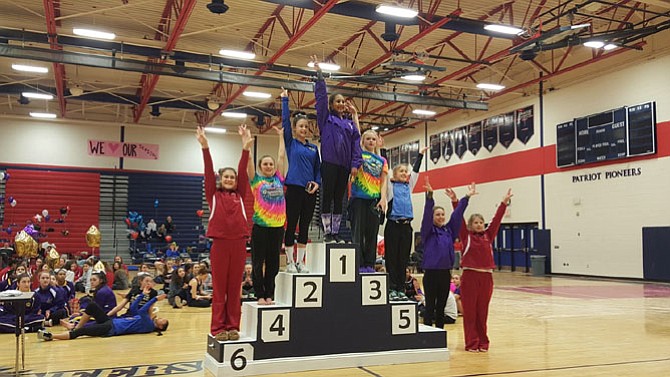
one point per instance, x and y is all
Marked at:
(613, 134)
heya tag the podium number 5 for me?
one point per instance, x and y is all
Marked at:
(404, 319)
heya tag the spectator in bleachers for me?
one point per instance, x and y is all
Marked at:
(120, 277)
(172, 251)
(179, 289)
(169, 226)
(197, 297)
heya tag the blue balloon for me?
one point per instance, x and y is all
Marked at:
(156, 203)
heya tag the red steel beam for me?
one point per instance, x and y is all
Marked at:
(51, 8)
(149, 84)
(325, 8)
(537, 80)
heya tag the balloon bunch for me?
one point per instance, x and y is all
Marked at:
(135, 223)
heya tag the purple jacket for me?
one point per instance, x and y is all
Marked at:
(340, 139)
(52, 298)
(105, 298)
(438, 241)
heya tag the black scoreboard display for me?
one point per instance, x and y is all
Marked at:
(610, 135)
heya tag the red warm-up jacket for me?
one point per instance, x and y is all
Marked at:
(478, 247)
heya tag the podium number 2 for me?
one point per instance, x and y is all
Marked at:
(404, 319)
(275, 325)
(238, 355)
(342, 265)
(374, 289)
(308, 291)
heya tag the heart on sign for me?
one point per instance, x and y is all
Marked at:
(113, 146)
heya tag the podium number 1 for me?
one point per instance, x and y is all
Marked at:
(342, 264)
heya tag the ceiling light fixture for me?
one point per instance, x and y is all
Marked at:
(215, 130)
(257, 94)
(609, 46)
(93, 34)
(29, 68)
(155, 110)
(429, 113)
(375, 128)
(329, 67)
(217, 7)
(594, 44)
(43, 115)
(396, 11)
(414, 77)
(37, 95)
(580, 26)
(486, 86)
(246, 55)
(212, 104)
(503, 29)
(76, 90)
(233, 114)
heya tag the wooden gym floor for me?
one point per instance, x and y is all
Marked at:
(539, 326)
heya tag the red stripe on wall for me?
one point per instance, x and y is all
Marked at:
(36, 191)
(529, 163)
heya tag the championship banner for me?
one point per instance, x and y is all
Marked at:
(447, 145)
(475, 137)
(104, 148)
(435, 148)
(524, 124)
(413, 153)
(460, 136)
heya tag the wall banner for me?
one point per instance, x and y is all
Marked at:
(104, 148)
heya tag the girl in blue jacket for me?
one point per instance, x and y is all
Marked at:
(438, 256)
(340, 152)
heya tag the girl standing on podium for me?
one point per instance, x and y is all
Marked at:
(477, 278)
(267, 234)
(302, 183)
(340, 152)
(438, 253)
(368, 199)
(229, 231)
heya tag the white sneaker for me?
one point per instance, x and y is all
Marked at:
(302, 269)
(291, 268)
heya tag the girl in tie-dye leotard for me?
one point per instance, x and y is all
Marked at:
(368, 199)
(267, 186)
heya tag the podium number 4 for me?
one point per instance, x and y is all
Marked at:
(275, 325)
(342, 265)
(308, 292)
(374, 290)
(403, 319)
(238, 355)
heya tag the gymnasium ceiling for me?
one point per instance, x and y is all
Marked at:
(181, 39)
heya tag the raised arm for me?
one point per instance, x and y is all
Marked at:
(463, 232)
(210, 178)
(427, 221)
(247, 140)
(456, 222)
(492, 230)
(286, 119)
(321, 96)
(414, 175)
(281, 154)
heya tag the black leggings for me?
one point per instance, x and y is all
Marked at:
(364, 229)
(299, 211)
(101, 327)
(57, 315)
(397, 245)
(265, 247)
(334, 180)
(436, 286)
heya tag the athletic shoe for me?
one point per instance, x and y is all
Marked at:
(402, 296)
(393, 295)
(328, 238)
(291, 268)
(339, 239)
(222, 336)
(44, 335)
(371, 269)
(302, 269)
(233, 335)
(474, 350)
(363, 270)
(178, 302)
(483, 350)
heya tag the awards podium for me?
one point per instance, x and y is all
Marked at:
(333, 317)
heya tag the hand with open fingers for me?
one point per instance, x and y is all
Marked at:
(244, 132)
(200, 136)
(427, 185)
(315, 59)
(451, 194)
(472, 189)
(507, 199)
(351, 107)
(284, 92)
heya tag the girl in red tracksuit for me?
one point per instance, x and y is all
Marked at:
(477, 279)
(229, 231)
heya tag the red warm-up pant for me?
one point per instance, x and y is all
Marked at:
(227, 259)
(476, 291)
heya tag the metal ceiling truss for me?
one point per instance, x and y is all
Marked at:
(51, 11)
(156, 69)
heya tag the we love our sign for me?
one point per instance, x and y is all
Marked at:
(104, 148)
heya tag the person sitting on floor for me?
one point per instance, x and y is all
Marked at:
(53, 300)
(197, 298)
(140, 323)
(120, 277)
(32, 319)
(179, 289)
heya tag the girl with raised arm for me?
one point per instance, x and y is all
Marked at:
(229, 232)
(340, 152)
(267, 186)
(438, 236)
(303, 180)
(477, 279)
